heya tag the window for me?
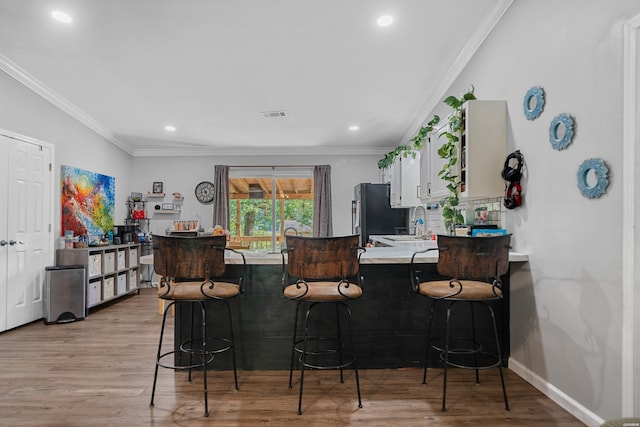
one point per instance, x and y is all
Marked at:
(267, 203)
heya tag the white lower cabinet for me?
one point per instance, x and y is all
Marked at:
(113, 270)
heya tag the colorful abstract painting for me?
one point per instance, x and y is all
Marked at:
(88, 202)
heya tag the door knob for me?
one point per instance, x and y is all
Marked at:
(3, 243)
(14, 242)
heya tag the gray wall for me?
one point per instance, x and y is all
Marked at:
(566, 302)
(181, 174)
(566, 317)
(24, 112)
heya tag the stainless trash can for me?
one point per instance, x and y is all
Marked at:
(64, 294)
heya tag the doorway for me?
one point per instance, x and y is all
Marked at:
(26, 232)
(631, 209)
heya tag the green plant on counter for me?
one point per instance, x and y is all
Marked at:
(417, 142)
(449, 152)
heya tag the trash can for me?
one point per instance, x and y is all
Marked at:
(64, 294)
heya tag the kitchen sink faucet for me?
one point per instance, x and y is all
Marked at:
(419, 225)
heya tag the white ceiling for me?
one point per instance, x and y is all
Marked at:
(127, 68)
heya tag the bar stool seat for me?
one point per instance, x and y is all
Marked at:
(323, 292)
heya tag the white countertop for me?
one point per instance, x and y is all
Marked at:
(401, 249)
(399, 253)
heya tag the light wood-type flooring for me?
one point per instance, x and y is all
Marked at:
(99, 372)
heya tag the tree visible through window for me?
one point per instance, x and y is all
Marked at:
(258, 220)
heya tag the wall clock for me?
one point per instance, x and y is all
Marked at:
(204, 192)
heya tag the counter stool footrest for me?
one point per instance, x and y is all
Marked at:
(181, 367)
(197, 349)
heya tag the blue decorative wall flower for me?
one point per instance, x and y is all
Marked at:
(532, 111)
(561, 131)
(600, 170)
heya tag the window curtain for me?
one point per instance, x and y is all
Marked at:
(221, 196)
(322, 219)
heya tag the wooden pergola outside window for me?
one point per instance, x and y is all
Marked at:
(259, 190)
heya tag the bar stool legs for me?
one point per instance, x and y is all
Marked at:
(301, 346)
(196, 347)
(446, 350)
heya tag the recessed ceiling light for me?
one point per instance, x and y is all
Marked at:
(61, 16)
(385, 20)
(354, 128)
(170, 128)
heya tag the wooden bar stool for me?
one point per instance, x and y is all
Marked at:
(473, 267)
(322, 271)
(192, 271)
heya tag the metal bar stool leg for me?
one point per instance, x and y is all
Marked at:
(204, 357)
(473, 337)
(191, 336)
(340, 344)
(427, 348)
(499, 352)
(303, 357)
(293, 344)
(233, 344)
(353, 350)
(155, 375)
(446, 357)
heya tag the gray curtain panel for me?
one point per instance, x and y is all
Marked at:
(322, 219)
(221, 196)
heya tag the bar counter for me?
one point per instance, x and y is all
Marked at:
(388, 320)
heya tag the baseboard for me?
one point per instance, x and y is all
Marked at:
(555, 394)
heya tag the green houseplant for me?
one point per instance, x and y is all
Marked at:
(417, 142)
(448, 151)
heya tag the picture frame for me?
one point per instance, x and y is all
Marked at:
(157, 187)
(167, 206)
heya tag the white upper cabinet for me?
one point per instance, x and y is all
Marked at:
(405, 181)
(386, 175)
(481, 150)
(435, 188)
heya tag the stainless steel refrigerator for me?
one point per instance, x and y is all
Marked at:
(371, 212)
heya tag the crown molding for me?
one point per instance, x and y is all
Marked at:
(456, 68)
(261, 151)
(12, 69)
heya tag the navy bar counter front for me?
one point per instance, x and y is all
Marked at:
(388, 320)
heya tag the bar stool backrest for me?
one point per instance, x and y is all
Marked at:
(322, 258)
(189, 257)
(479, 258)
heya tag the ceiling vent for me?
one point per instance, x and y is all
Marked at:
(273, 114)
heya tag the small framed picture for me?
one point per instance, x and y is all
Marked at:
(167, 206)
(157, 187)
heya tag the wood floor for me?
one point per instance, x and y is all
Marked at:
(99, 372)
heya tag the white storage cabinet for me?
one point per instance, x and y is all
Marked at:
(112, 271)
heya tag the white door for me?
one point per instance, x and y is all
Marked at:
(4, 240)
(28, 229)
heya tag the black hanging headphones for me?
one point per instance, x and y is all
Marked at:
(513, 197)
(513, 174)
